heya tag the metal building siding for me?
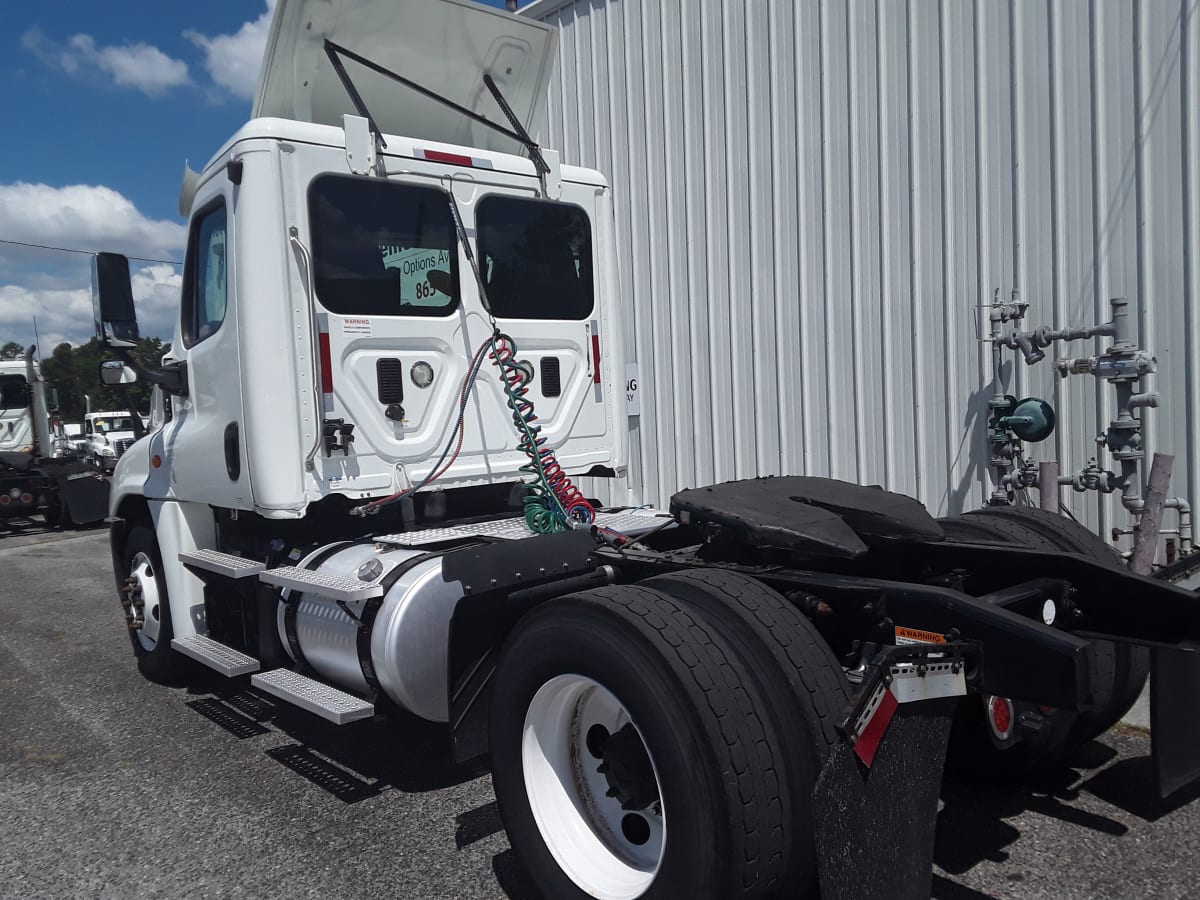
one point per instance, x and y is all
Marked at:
(815, 197)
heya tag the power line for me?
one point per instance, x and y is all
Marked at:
(173, 262)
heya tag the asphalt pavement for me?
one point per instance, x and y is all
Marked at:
(111, 786)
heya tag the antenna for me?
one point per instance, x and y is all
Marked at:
(37, 338)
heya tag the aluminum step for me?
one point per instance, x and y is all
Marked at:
(327, 702)
(215, 655)
(630, 523)
(323, 585)
(222, 563)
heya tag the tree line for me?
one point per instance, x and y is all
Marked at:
(75, 373)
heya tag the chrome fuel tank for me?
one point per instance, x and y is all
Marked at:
(409, 635)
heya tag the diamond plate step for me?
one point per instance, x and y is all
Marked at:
(332, 586)
(222, 563)
(327, 702)
(215, 655)
(631, 524)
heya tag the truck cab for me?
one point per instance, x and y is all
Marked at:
(384, 296)
(329, 316)
(16, 421)
(38, 472)
(108, 435)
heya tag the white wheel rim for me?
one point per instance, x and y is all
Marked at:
(590, 836)
(143, 570)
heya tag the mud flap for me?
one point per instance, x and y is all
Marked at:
(875, 826)
(1174, 719)
(85, 496)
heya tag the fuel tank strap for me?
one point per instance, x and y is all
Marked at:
(366, 620)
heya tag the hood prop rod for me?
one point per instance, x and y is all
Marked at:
(517, 133)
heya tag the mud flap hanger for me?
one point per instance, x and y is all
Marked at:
(875, 816)
(904, 674)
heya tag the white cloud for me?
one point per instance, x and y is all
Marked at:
(65, 314)
(85, 217)
(233, 60)
(56, 287)
(62, 315)
(139, 66)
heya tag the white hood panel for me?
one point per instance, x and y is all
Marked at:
(443, 45)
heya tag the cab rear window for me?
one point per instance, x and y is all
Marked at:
(375, 245)
(536, 258)
(13, 392)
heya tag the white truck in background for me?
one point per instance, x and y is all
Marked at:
(399, 343)
(108, 436)
(39, 471)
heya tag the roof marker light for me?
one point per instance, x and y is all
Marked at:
(453, 159)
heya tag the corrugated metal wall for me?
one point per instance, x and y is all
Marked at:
(814, 198)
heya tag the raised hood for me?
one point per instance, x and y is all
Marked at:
(443, 45)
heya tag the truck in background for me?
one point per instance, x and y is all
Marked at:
(39, 470)
(108, 435)
(398, 346)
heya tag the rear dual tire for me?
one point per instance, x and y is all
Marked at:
(1117, 672)
(725, 803)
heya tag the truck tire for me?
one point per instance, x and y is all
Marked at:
(1118, 671)
(619, 717)
(152, 642)
(796, 673)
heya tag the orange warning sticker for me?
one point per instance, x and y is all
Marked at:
(917, 636)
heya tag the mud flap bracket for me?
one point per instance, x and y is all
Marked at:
(875, 801)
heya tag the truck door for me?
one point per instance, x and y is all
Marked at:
(396, 333)
(203, 440)
(537, 266)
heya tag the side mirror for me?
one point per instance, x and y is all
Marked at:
(114, 372)
(112, 301)
(54, 399)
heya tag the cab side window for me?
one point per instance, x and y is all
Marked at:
(206, 277)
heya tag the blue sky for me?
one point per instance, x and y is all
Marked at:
(102, 103)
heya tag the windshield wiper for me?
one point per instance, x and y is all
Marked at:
(517, 133)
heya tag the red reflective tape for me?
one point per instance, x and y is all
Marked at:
(595, 358)
(454, 159)
(868, 742)
(326, 364)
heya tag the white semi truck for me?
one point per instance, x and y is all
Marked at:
(108, 435)
(39, 473)
(399, 343)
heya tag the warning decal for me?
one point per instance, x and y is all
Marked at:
(356, 326)
(917, 636)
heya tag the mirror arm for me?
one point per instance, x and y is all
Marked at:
(172, 378)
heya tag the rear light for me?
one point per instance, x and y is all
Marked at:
(15, 493)
(5, 500)
(1000, 717)
(27, 499)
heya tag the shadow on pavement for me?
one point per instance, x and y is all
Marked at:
(1130, 785)
(352, 762)
(972, 825)
(476, 824)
